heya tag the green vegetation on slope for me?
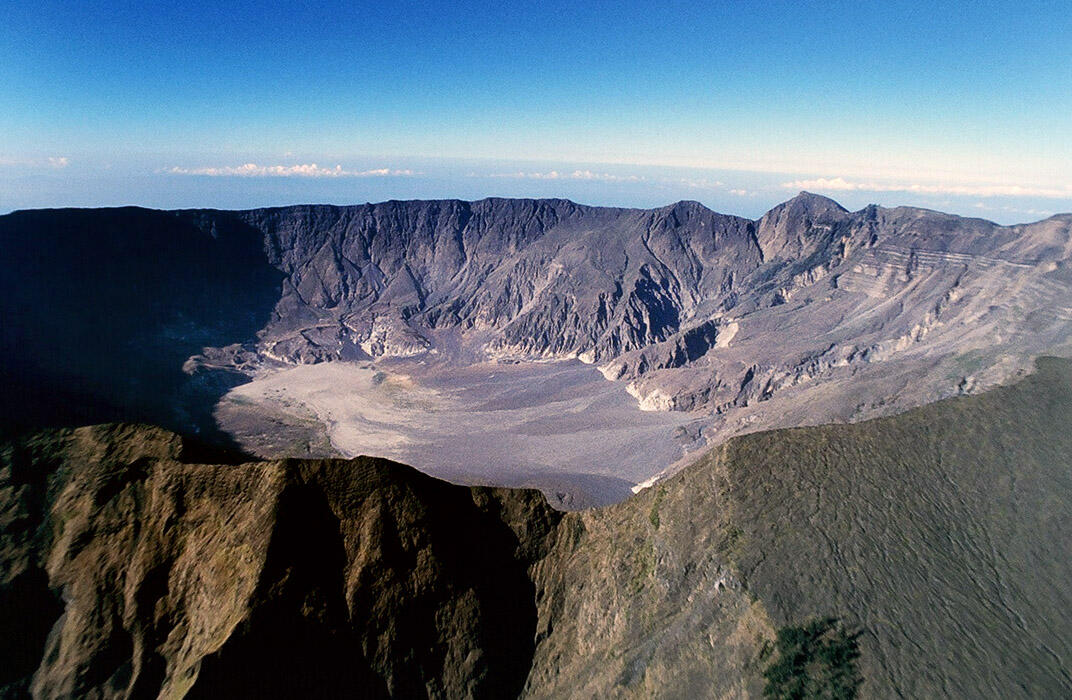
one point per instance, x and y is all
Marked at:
(814, 660)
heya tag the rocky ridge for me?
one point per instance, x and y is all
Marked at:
(151, 568)
(810, 314)
(695, 310)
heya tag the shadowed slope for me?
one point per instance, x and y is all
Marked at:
(101, 309)
(328, 576)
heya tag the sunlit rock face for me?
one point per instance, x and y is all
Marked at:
(811, 314)
(544, 278)
(750, 308)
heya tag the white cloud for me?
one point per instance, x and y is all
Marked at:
(700, 184)
(840, 184)
(57, 162)
(575, 175)
(302, 170)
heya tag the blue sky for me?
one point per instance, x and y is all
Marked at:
(962, 106)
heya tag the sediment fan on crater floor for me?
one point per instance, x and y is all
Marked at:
(810, 314)
(129, 567)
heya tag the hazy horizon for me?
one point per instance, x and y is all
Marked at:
(742, 193)
(951, 106)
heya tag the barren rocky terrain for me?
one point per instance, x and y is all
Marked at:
(724, 325)
(526, 424)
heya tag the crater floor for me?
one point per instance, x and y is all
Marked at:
(559, 426)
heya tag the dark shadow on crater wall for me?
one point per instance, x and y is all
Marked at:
(23, 640)
(430, 614)
(101, 308)
(297, 642)
(479, 553)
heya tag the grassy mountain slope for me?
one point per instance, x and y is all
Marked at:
(939, 534)
(936, 538)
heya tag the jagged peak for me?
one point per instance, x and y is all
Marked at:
(788, 230)
(683, 209)
(687, 204)
(809, 202)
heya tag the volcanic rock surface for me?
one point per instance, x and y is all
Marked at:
(811, 314)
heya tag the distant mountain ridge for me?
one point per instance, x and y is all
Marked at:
(757, 323)
(547, 277)
(550, 278)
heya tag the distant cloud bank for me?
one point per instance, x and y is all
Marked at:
(60, 177)
(839, 184)
(302, 170)
(574, 175)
